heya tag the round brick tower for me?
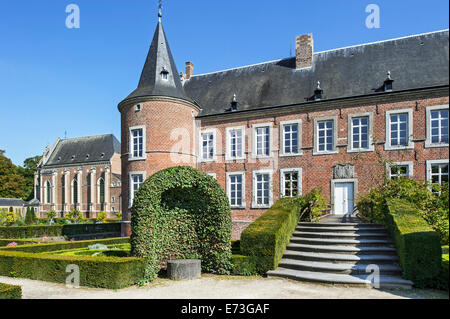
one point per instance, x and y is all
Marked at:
(157, 123)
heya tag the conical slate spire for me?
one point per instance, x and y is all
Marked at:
(159, 76)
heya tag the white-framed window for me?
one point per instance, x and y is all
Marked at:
(396, 170)
(262, 189)
(399, 129)
(236, 189)
(48, 193)
(291, 182)
(262, 140)
(290, 138)
(235, 143)
(208, 146)
(437, 171)
(113, 199)
(101, 190)
(137, 143)
(136, 180)
(437, 126)
(360, 128)
(325, 135)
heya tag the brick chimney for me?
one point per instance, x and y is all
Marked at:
(304, 46)
(189, 70)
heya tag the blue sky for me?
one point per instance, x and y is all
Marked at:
(54, 79)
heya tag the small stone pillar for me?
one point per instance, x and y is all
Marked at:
(186, 269)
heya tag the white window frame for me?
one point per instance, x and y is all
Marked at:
(254, 140)
(254, 186)
(282, 180)
(350, 148)
(228, 188)
(283, 153)
(428, 141)
(409, 164)
(144, 143)
(387, 145)
(316, 135)
(228, 156)
(200, 144)
(130, 186)
(430, 164)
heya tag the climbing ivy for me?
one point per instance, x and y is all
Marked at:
(181, 213)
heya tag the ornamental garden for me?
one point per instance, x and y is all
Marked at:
(182, 213)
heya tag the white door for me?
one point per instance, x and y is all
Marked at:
(343, 198)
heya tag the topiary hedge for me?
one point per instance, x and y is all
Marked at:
(181, 213)
(5, 242)
(264, 241)
(58, 230)
(418, 246)
(10, 291)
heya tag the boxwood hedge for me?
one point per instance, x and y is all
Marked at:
(10, 291)
(418, 246)
(264, 241)
(57, 230)
(181, 213)
(102, 272)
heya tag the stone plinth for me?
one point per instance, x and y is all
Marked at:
(186, 269)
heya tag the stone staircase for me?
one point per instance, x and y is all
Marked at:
(339, 253)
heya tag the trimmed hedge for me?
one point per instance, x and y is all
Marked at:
(182, 213)
(264, 241)
(5, 242)
(57, 230)
(10, 291)
(101, 272)
(418, 246)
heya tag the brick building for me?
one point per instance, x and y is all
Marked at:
(338, 120)
(80, 173)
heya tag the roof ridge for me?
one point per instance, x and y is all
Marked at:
(320, 52)
(86, 137)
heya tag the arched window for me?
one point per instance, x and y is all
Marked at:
(75, 190)
(101, 190)
(48, 193)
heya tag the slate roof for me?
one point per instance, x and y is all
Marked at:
(12, 202)
(159, 59)
(75, 150)
(416, 61)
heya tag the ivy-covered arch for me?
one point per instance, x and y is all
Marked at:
(181, 213)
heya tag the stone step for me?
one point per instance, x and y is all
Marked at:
(339, 249)
(360, 235)
(342, 242)
(338, 268)
(341, 258)
(344, 279)
(368, 225)
(343, 229)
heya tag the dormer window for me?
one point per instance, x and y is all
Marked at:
(388, 83)
(102, 155)
(137, 108)
(164, 74)
(318, 92)
(73, 157)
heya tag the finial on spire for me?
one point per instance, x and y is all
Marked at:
(160, 10)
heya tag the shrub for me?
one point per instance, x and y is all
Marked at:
(74, 216)
(51, 214)
(101, 217)
(30, 217)
(264, 241)
(181, 213)
(311, 205)
(5, 242)
(10, 291)
(119, 215)
(11, 218)
(418, 246)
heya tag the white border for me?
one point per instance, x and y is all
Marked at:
(429, 109)
(263, 171)
(316, 136)
(300, 180)
(410, 165)
(430, 163)
(343, 181)
(228, 143)
(387, 144)
(350, 148)
(130, 185)
(130, 143)
(228, 188)
(254, 140)
(200, 146)
(299, 138)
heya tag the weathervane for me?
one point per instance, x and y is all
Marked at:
(160, 10)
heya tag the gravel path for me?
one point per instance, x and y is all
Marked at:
(216, 287)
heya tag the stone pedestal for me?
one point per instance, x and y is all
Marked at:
(187, 269)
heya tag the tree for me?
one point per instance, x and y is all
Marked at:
(12, 184)
(27, 171)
